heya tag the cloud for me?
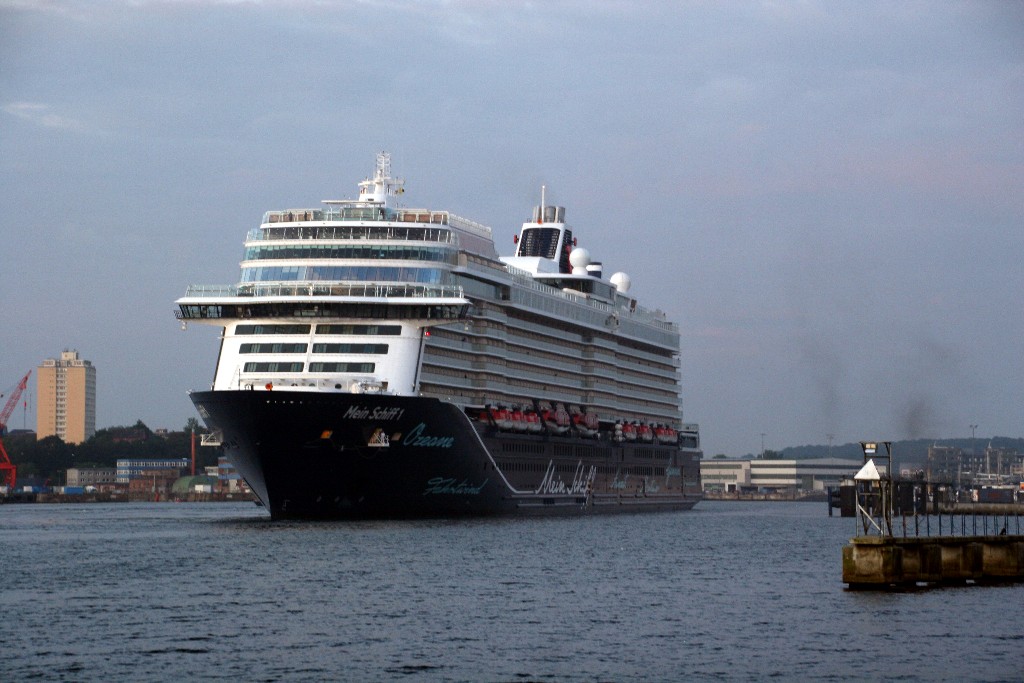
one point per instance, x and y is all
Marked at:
(41, 115)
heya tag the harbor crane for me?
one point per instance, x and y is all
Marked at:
(8, 472)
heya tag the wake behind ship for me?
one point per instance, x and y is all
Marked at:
(378, 361)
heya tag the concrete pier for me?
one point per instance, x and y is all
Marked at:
(879, 559)
(881, 562)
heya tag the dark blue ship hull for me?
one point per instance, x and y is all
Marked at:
(364, 456)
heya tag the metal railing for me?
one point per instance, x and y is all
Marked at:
(889, 507)
(363, 291)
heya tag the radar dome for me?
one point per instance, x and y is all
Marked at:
(579, 259)
(621, 282)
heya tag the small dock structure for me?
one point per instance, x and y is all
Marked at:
(883, 556)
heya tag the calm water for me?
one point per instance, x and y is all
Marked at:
(730, 591)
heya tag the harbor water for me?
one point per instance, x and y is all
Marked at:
(729, 591)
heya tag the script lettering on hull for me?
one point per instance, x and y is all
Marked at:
(582, 481)
(355, 412)
(418, 438)
(448, 486)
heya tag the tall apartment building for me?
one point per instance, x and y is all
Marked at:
(66, 398)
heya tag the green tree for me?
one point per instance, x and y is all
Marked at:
(43, 458)
(50, 458)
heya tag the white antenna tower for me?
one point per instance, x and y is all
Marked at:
(383, 165)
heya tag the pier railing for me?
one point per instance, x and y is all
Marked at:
(891, 552)
(927, 508)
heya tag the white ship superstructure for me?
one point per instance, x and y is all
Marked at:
(336, 298)
(545, 325)
(365, 297)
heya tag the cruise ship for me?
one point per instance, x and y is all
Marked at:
(378, 361)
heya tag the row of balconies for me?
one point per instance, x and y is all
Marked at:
(609, 400)
(593, 375)
(507, 351)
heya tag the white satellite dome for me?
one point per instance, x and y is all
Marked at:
(579, 259)
(620, 280)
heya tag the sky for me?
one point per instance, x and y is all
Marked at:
(827, 197)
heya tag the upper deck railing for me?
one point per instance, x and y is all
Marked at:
(655, 318)
(356, 215)
(350, 231)
(360, 290)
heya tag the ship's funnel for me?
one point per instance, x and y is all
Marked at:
(549, 214)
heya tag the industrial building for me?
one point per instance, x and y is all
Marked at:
(66, 398)
(129, 470)
(993, 466)
(100, 477)
(775, 476)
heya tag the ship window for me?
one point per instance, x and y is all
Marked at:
(335, 251)
(272, 367)
(193, 312)
(369, 330)
(539, 242)
(365, 311)
(272, 329)
(342, 274)
(341, 367)
(272, 348)
(350, 348)
(354, 232)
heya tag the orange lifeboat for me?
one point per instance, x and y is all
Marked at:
(629, 431)
(517, 419)
(585, 423)
(666, 434)
(504, 418)
(645, 433)
(557, 419)
(533, 424)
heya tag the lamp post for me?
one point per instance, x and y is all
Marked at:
(762, 445)
(974, 450)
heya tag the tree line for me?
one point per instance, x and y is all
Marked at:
(49, 459)
(906, 450)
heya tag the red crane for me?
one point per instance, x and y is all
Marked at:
(8, 472)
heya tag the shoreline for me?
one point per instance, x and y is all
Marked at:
(71, 499)
(807, 497)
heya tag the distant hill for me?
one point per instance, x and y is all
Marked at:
(914, 450)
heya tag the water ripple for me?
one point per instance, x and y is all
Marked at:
(727, 592)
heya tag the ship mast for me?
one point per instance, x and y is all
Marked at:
(376, 190)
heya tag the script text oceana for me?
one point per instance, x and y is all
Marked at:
(418, 439)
